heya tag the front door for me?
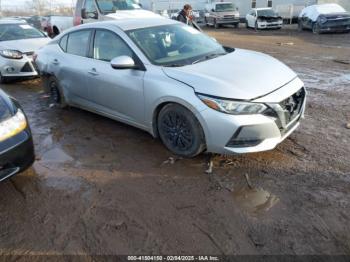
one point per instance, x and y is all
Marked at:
(115, 91)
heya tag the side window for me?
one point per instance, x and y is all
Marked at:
(89, 6)
(107, 45)
(63, 43)
(78, 43)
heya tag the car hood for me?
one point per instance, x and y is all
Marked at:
(139, 13)
(242, 74)
(25, 45)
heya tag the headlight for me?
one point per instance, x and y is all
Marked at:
(12, 54)
(12, 126)
(323, 19)
(232, 107)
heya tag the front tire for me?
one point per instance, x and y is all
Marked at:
(180, 131)
(256, 26)
(3, 80)
(300, 26)
(316, 28)
(216, 25)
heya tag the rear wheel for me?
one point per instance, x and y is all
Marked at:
(246, 24)
(56, 93)
(180, 131)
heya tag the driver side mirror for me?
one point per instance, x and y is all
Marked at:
(93, 15)
(123, 62)
(213, 10)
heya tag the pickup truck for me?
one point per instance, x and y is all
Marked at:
(54, 25)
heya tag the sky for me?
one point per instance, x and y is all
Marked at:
(22, 3)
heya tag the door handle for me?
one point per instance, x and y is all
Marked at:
(93, 72)
(55, 62)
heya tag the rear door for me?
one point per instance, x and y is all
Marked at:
(73, 65)
(117, 92)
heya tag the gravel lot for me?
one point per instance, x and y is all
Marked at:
(102, 187)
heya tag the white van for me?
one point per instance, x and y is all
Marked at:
(88, 11)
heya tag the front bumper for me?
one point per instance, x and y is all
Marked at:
(266, 25)
(16, 154)
(238, 134)
(222, 21)
(18, 68)
(335, 28)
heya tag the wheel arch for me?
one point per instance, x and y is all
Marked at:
(174, 100)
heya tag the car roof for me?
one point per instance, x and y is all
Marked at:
(263, 8)
(12, 21)
(131, 23)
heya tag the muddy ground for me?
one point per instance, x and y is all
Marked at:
(101, 187)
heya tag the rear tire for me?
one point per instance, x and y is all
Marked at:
(56, 93)
(180, 131)
(246, 24)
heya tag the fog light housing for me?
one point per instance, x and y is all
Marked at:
(240, 139)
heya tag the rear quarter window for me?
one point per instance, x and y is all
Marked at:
(78, 42)
(63, 43)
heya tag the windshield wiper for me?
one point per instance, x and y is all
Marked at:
(207, 57)
(174, 65)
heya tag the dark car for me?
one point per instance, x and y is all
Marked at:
(324, 18)
(16, 143)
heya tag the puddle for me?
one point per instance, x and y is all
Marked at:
(56, 155)
(255, 201)
(67, 183)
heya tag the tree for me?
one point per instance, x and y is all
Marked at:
(39, 7)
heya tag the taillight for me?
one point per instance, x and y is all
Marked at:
(77, 20)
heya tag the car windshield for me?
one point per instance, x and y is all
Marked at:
(10, 32)
(267, 12)
(225, 7)
(175, 45)
(111, 6)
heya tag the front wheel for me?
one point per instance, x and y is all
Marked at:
(256, 26)
(316, 28)
(216, 25)
(300, 26)
(3, 80)
(180, 131)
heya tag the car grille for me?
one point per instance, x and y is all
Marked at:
(26, 68)
(287, 112)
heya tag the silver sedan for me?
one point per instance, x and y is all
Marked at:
(18, 41)
(176, 83)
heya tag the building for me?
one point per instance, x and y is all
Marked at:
(286, 8)
(343, 3)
